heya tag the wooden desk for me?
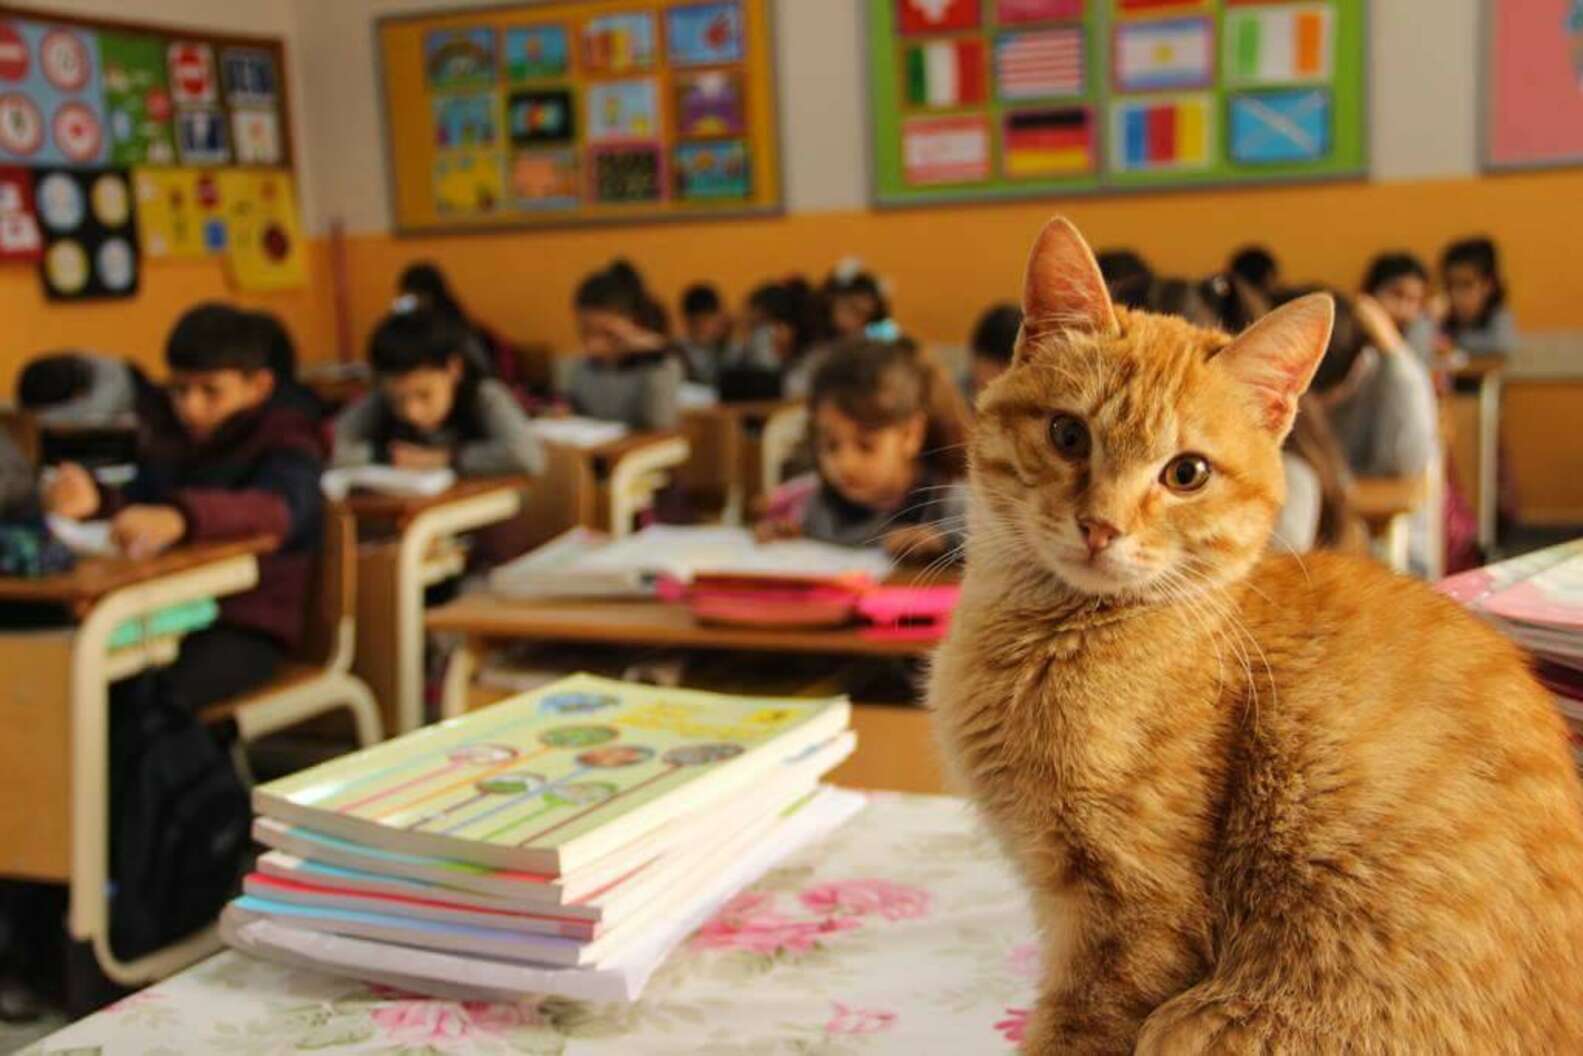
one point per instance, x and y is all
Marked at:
(602, 487)
(55, 753)
(1386, 505)
(727, 467)
(1483, 376)
(393, 572)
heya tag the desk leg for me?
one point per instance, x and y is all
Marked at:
(1489, 453)
(459, 671)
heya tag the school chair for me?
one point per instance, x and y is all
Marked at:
(639, 475)
(1386, 506)
(319, 680)
(784, 432)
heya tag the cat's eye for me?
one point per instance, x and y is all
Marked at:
(1186, 473)
(1070, 436)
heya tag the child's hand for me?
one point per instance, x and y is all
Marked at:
(1377, 324)
(918, 542)
(416, 456)
(768, 531)
(144, 531)
(72, 493)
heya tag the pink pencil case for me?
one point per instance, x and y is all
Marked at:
(769, 601)
(911, 613)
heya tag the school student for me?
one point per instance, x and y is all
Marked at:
(1258, 269)
(82, 389)
(1400, 283)
(432, 409)
(1127, 275)
(427, 287)
(856, 300)
(289, 391)
(993, 343)
(889, 431)
(238, 466)
(1317, 512)
(781, 320)
(1475, 317)
(630, 372)
(706, 340)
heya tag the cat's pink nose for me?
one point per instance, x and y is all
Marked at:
(1097, 534)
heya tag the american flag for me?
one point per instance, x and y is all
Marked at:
(1040, 64)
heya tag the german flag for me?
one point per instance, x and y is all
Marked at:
(1043, 143)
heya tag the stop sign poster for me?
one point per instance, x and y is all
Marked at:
(50, 95)
(136, 99)
(191, 67)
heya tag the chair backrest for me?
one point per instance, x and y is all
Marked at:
(332, 600)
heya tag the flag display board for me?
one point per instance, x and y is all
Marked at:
(985, 99)
(590, 111)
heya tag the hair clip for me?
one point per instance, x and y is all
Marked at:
(405, 304)
(882, 330)
(847, 269)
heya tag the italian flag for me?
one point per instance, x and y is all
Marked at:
(946, 73)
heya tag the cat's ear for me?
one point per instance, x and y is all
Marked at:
(1063, 289)
(1276, 357)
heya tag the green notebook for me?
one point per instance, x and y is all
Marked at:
(185, 618)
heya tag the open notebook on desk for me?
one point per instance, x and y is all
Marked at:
(387, 480)
(578, 432)
(585, 564)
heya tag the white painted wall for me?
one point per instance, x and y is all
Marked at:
(1423, 71)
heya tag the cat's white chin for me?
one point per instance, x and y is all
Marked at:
(1103, 578)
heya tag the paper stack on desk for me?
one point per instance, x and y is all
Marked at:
(563, 841)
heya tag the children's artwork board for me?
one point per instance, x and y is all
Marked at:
(977, 100)
(580, 111)
(1533, 83)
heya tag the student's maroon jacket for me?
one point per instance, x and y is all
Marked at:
(257, 475)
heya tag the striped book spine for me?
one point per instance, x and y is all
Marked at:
(1040, 64)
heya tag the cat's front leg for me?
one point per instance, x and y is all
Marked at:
(1204, 1021)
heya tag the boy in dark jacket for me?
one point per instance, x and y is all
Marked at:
(237, 465)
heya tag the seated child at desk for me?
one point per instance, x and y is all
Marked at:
(1475, 317)
(1400, 282)
(289, 392)
(239, 466)
(994, 341)
(81, 389)
(630, 372)
(889, 433)
(856, 299)
(782, 324)
(431, 409)
(707, 339)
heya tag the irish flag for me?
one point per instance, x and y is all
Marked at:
(1279, 45)
(945, 74)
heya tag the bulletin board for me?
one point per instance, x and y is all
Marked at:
(579, 112)
(975, 100)
(1533, 84)
(122, 141)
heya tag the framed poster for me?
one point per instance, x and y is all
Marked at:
(1533, 84)
(580, 111)
(975, 100)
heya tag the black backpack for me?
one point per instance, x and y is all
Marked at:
(179, 822)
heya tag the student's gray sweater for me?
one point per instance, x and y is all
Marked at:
(507, 447)
(640, 393)
(1498, 337)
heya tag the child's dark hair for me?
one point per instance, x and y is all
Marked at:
(1347, 339)
(995, 336)
(1479, 254)
(1255, 266)
(620, 288)
(882, 384)
(282, 350)
(700, 299)
(794, 303)
(842, 283)
(1312, 440)
(1127, 276)
(1388, 267)
(415, 340)
(217, 336)
(424, 279)
(53, 379)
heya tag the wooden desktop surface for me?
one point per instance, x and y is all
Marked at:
(94, 578)
(373, 506)
(1378, 499)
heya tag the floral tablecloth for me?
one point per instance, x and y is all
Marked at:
(903, 932)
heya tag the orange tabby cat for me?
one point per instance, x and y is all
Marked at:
(1262, 804)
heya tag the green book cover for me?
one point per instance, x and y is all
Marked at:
(555, 778)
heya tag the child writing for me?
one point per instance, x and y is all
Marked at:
(781, 320)
(707, 339)
(238, 466)
(994, 341)
(889, 434)
(857, 300)
(431, 409)
(1400, 283)
(630, 371)
(1475, 318)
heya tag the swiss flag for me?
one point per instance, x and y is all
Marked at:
(936, 16)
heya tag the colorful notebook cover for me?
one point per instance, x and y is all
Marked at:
(1552, 598)
(1475, 586)
(551, 780)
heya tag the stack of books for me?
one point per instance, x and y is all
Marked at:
(563, 841)
(1537, 601)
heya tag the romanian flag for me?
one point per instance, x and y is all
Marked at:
(1043, 143)
(1278, 45)
(946, 73)
(1170, 134)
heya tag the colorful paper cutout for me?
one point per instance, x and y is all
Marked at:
(704, 34)
(713, 171)
(710, 104)
(936, 16)
(619, 43)
(1274, 127)
(1280, 44)
(628, 174)
(945, 74)
(468, 182)
(541, 118)
(1041, 63)
(169, 217)
(1046, 144)
(1017, 12)
(90, 235)
(137, 99)
(459, 58)
(1160, 54)
(465, 121)
(20, 238)
(190, 66)
(945, 150)
(1149, 135)
(255, 135)
(51, 102)
(546, 179)
(535, 52)
(201, 137)
(623, 110)
(265, 251)
(249, 77)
